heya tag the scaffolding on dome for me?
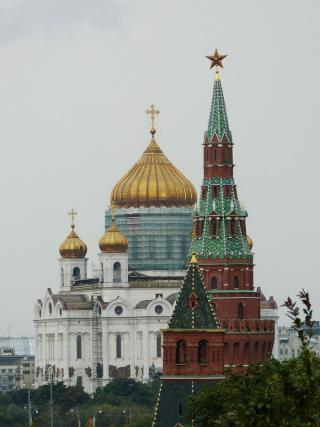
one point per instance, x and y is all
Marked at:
(159, 237)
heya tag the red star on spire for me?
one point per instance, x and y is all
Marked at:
(216, 59)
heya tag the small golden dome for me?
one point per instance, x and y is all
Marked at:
(113, 241)
(153, 181)
(73, 246)
(250, 242)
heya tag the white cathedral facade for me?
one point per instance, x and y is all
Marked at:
(95, 329)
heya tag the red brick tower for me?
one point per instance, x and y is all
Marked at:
(193, 348)
(222, 246)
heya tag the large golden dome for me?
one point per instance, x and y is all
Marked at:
(113, 241)
(153, 181)
(73, 246)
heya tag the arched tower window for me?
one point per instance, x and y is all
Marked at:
(159, 348)
(203, 351)
(79, 347)
(240, 311)
(101, 272)
(118, 346)
(50, 308)
(62, 277)
(117, 272)
(181, 352)
(214, 282)
(76, 273)
(236, 282)
(79, 381)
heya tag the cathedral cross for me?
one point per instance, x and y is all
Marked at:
(73, 215)
(152, 112)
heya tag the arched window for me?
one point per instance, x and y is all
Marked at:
(50, 308)
(246, 353)
(79, 381)
(181, 352)
(203, 351)
(159, 352)
(118, 346)
(99, 370)
(214, 282)
(79, 347)
(117, 272)
(240, 311)
(236, 282)
(236, 352)
(101, 272)
(232, 227)
(62, 277)
(76, 273)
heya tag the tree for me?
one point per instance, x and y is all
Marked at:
(273, 394)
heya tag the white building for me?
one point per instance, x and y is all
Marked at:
(289, 344)
(93, 330)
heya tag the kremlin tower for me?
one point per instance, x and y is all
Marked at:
(216, 323)
(222, 245)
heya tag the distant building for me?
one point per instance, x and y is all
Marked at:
(23, 349)
(23, 346)
(10, 370)
(289, 344)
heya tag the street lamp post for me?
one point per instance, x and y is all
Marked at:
(50, 372)
(130, 414)
(29, 408)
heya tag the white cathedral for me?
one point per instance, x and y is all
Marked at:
(92, 330)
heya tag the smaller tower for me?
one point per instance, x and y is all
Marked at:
(113, 257)
(73, 261)
(193, 351)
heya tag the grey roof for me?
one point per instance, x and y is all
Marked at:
(143, 304)
(172, 298)
(74, 301)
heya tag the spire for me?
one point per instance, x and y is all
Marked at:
(193, 309)
(218, 121)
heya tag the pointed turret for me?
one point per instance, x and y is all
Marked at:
(192, 351)
(193, 309)
(218, 120)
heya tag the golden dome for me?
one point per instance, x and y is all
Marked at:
(73, 246)
(113, 241)
(250, 242)
(153, 181)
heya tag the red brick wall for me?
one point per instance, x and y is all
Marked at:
(215, 359)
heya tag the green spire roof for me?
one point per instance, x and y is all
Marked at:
(193, 309)
(224, 245)
(218, 120)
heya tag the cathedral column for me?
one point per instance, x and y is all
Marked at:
(133, 344)
(145, 350)
(65, 352)
(105, 348)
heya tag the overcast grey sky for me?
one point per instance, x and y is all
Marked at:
(75, 79)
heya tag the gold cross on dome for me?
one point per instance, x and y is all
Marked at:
(152, 112)
(73, 215)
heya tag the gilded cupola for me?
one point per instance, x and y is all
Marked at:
(113, 241)
(153, 180)
(250, 242)
(73, 246)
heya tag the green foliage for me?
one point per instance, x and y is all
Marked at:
(274, 394)
(112, 405)
(121, 389)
